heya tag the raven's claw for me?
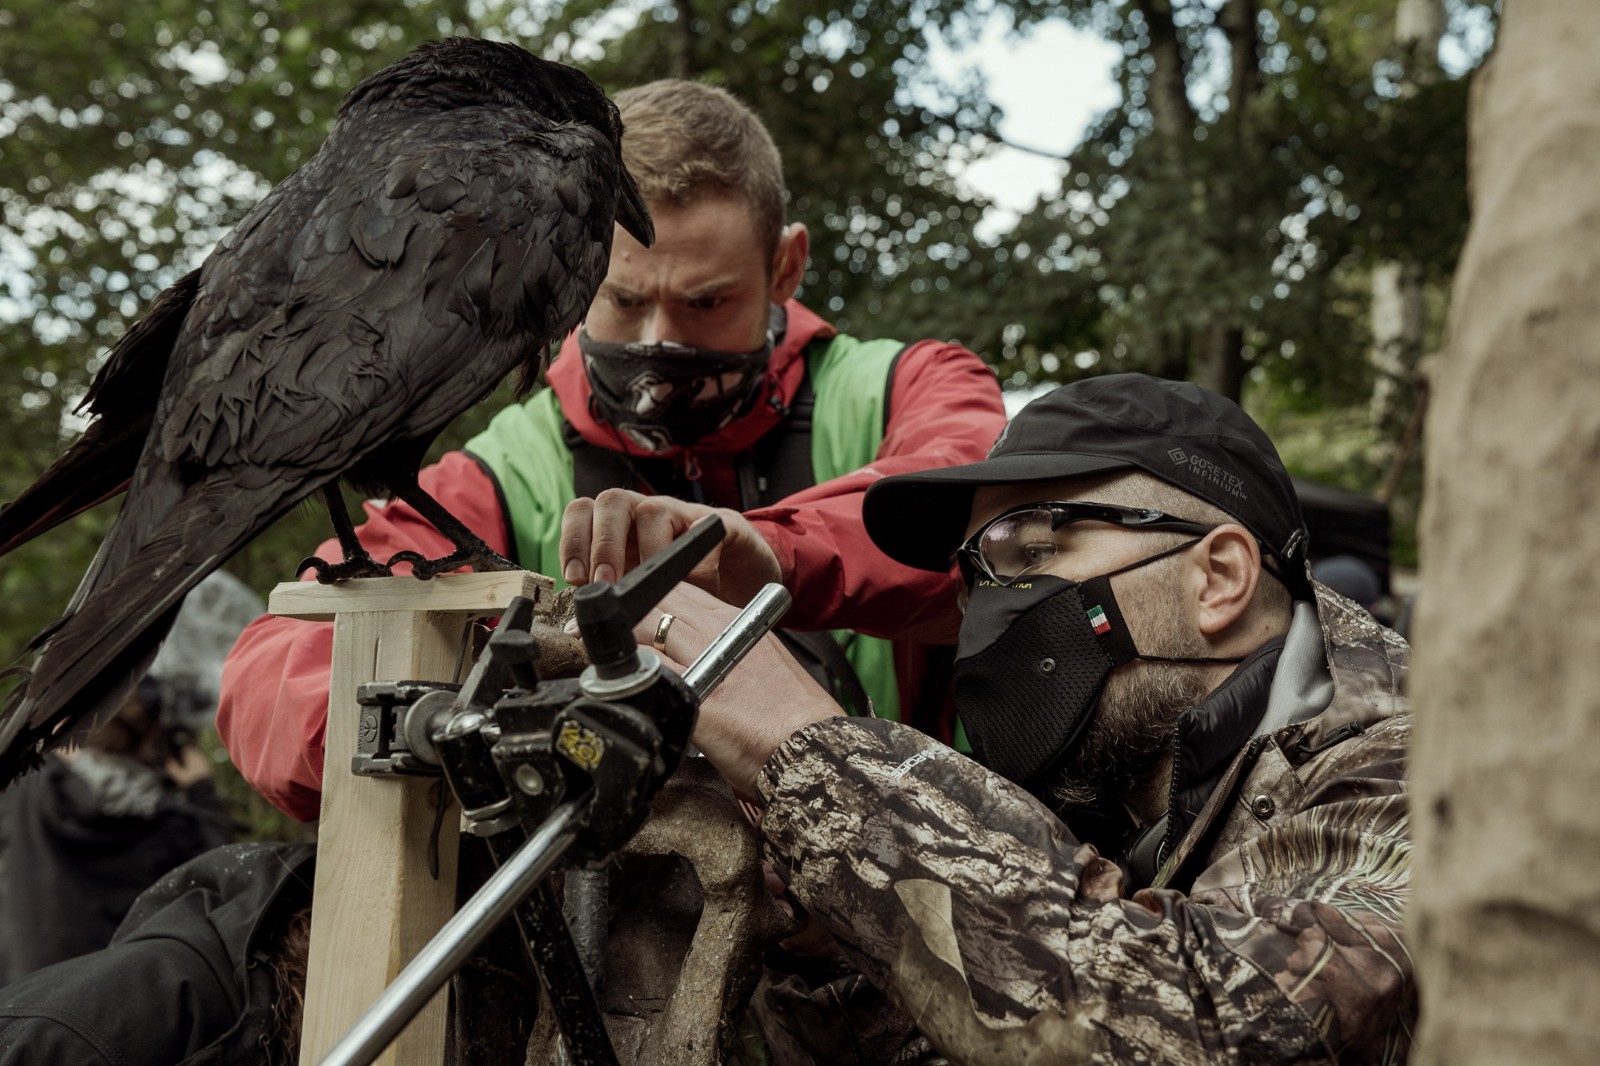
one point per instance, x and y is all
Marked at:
(362, 565)
(481, 561)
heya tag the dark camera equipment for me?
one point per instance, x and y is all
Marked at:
(548, 773)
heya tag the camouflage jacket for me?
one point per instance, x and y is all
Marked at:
(1005, 940)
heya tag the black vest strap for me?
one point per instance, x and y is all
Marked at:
(781, 460)
(594, 469)
(824, 660)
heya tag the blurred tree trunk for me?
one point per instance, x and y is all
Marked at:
(683, 61)
(1399, 314)
(1217, 359)
(1221, 367)
(1399, 321)
(1505, 921)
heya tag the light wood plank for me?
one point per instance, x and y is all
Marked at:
(466, 593)
(375, 904)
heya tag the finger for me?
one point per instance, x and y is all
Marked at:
(745, 563)
(656, 521)
(679, 639)
(609, 534)
(572, 552)
(696, 619)
(707, 573)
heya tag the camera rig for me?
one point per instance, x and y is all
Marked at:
(547, 772)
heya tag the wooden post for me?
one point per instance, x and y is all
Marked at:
(375, 904)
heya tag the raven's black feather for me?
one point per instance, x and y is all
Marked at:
(375, 294)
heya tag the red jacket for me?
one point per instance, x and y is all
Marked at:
(944, 409)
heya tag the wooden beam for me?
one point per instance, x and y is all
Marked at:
(470, 594)
(375, 903)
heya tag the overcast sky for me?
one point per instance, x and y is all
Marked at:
(1052, 84)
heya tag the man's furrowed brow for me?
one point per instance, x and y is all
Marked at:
(720, 286)
(611, 288)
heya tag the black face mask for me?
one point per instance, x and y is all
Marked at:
(1031, 661)
(662, 395)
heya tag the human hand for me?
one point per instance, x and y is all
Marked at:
(604, 538)
(766, 697)
(189, 766)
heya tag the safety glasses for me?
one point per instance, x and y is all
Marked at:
(1025, 538)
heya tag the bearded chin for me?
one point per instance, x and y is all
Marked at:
(1129, 734)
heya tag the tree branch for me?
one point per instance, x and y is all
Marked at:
(988, 133)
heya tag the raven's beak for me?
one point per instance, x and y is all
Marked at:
(632, 214)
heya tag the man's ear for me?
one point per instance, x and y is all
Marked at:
(789, 262)
(1228, 562)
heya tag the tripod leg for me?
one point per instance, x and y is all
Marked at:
(494, 1014)
(470, 768)
(561, 971)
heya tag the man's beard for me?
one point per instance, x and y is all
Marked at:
(1131, 728)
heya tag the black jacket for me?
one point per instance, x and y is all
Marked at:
(79, 842)
(184, 980)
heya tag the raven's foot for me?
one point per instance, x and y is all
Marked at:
(358, 565)
(481, 560)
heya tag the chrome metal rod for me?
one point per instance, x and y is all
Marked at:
(455, 941)
(735, 642)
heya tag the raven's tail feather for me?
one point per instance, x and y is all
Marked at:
(123, 399)
(97, 467)
(98, 651)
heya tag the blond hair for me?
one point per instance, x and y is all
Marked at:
(682, 140)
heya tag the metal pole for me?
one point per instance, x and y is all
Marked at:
(455, 941)
(721, 655)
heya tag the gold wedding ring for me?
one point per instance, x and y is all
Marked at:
(660, 641)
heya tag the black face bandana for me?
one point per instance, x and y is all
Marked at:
(662, 395)
(1031, 661)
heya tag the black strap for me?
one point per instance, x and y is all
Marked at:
(825, 661)
(933, 690)
(780, 463)
(595, 469)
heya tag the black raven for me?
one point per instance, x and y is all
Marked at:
(456, 221)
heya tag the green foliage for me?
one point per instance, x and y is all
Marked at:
(1224, 214)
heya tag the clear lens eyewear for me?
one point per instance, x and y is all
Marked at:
(1026, 538)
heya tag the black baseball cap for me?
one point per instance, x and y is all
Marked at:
(1186, 435)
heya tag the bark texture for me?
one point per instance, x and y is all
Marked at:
(1507, 753)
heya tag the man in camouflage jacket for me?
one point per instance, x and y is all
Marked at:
(1190, 844)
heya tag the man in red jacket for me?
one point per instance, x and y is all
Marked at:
(697, 383)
